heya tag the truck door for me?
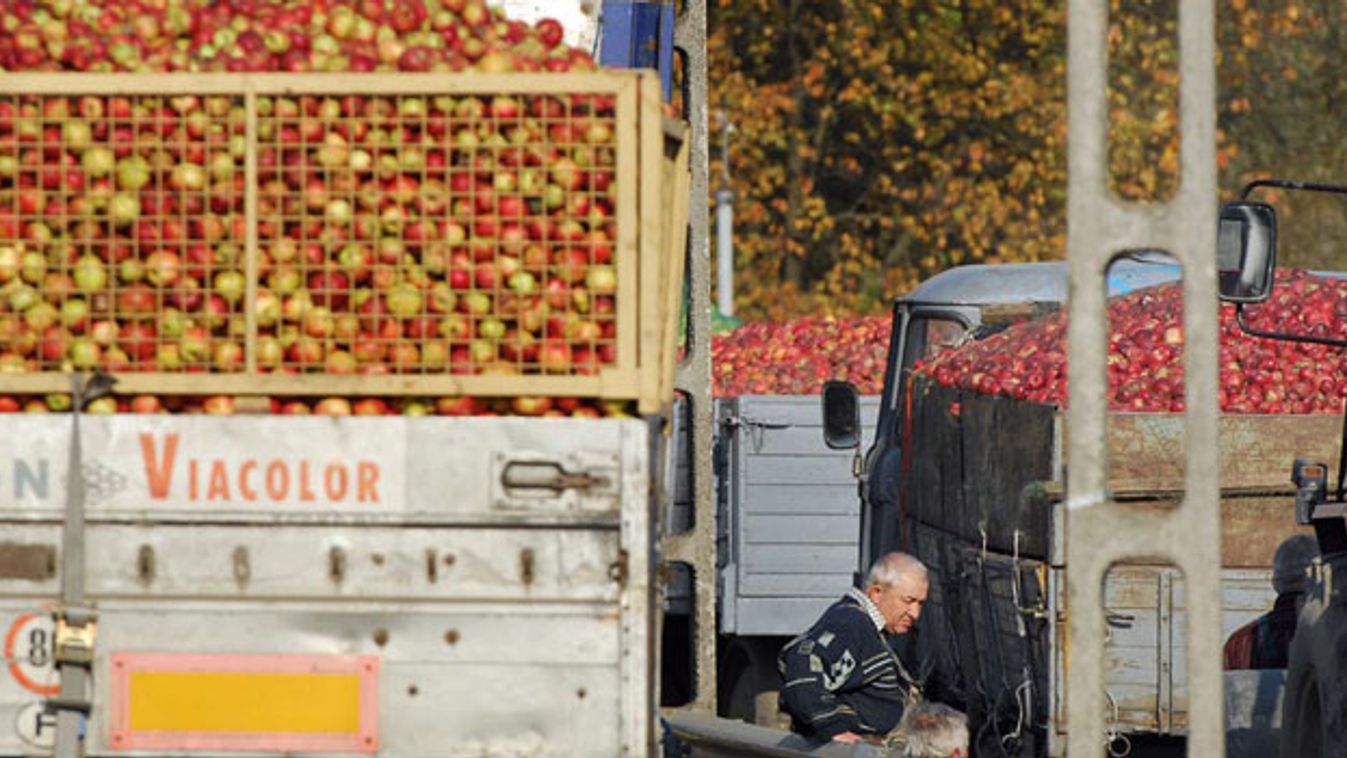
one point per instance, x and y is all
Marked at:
(921, 331)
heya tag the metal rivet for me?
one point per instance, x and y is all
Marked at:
(580, 693)
(381, 637)
(378, 559)
(451, 636)
(413, 691)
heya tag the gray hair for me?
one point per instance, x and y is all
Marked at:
(893, 566)
(934, 730)
(1291, 563)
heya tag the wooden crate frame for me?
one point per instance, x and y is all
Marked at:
(648, 258)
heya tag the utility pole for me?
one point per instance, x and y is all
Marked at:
(76, 619)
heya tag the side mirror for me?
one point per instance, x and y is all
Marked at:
(841, 416)
(1246, 251)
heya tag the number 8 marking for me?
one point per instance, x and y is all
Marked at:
(36, 653)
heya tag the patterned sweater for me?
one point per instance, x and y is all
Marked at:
(841, 675)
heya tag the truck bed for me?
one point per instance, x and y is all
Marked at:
(443, 609)
(986, 485)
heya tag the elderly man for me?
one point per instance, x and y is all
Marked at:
(841, 680)
(933, 730)
(1265, 642)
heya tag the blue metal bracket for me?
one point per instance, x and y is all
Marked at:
(639, 34)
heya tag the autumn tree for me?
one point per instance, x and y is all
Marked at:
(879, 143)
(1283, 106)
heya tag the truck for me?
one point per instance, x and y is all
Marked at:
(404, 586)
(773, 466)
(1309, 721)
(974, 485)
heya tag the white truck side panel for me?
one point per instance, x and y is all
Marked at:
(506, 620)
(792, 520)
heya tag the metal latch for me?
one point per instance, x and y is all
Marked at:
(73, 643)
(546, 475)
(733, 422)
(756, 427)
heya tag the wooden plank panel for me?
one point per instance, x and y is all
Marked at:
(795, 559)
(651, 213)
(673, 246)
(801, 410)
(801, 530)
(1132, 587)
(1256, 450)
(802, 499)
(266, 83)
(1252, 528)
(793, 442)
(796, 470)
(830, 584)
(606, 385)
(627, 249)
(1140, 633)
(781, 617)
(1131, 668)
(1243, 590)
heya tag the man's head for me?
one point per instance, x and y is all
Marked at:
(934, 730)
(897, 585)
(1291, 562)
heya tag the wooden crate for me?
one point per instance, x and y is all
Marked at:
(274, 169)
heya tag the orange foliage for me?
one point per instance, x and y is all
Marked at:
(878, 143)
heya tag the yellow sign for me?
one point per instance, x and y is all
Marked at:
(214, 701)
(208, 702)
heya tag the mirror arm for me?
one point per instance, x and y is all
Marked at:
(1244, 325)
(1336, 189)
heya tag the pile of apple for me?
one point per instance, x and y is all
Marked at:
(424, 234)
(797, 357)
(1145, 361)
(276, 35)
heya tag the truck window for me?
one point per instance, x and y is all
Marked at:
(929, 337)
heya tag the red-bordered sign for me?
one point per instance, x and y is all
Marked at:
(28, 648)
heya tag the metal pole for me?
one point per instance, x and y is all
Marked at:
(725, 223)
(725, 251)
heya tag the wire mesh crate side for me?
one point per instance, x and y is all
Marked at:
(227, 227)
